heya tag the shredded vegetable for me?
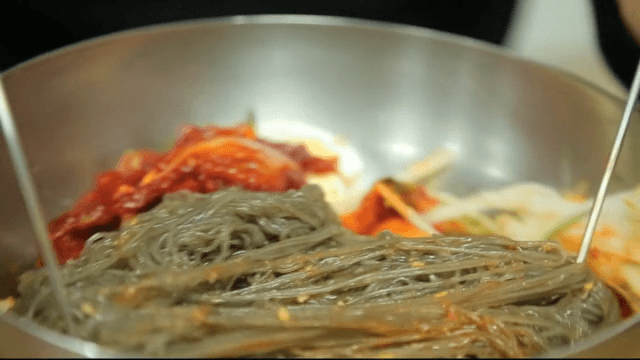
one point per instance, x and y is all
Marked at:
(526, 211)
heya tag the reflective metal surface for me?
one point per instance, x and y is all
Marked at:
(32, 203)
(598, 201)
(395, 92)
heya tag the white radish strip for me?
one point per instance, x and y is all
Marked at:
(450, 200)
(417, 221)
(418, 172)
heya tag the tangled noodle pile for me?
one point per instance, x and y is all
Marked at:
(241, 273)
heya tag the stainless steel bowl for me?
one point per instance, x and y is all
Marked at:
(396, 92)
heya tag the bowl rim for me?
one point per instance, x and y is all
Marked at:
(321, 20)
(90, 349)
(65, 342)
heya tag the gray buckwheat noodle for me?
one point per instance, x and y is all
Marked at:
(238, 273)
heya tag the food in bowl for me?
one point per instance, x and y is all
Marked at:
(177, 258)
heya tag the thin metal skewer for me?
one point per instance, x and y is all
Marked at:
(613, 158)
(32, 202)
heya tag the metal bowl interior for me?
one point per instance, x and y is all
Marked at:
(395, 92)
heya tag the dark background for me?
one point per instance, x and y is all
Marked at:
(32, 27)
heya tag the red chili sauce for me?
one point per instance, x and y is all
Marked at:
(203, 159)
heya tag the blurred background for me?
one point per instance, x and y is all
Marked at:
(560, 33)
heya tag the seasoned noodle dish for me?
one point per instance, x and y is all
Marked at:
(222, 247)
(239, 273)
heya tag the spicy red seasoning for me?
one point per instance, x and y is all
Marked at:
(203, 159)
